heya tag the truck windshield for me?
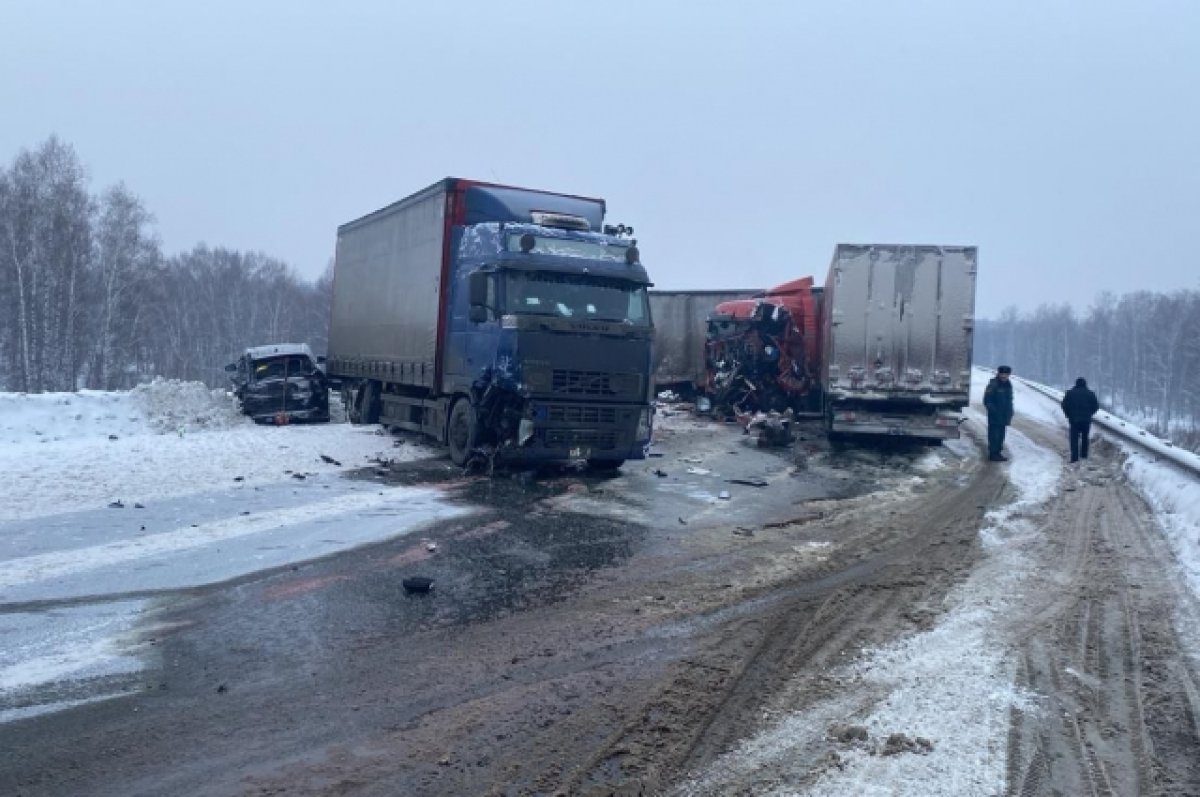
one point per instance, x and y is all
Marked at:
(567, 247)
(575, 296)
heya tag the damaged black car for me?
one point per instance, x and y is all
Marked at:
(280, 384)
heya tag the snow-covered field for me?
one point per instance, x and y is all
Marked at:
(109, 497)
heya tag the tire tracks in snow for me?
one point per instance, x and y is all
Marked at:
(1104, 644)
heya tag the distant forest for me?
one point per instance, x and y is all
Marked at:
(1140, 352)
(89, 300)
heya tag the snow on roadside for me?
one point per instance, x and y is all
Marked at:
(1175, 499)
(65, 452)
(953, 685)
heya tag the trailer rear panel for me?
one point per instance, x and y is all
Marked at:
(899, 327)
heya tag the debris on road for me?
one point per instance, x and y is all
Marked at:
(774, 429)
(749, 482)
(846, 734)
(116, 505)
(723, 495)
(900, 743)
(330, 460)
(699, 471)
(417, 584)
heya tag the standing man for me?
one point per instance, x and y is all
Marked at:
(1079, 404)
(998, 399)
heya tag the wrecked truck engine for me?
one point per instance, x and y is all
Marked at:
(761, 353)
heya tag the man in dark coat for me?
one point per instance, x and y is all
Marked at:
(1079, 404)
(998, 399)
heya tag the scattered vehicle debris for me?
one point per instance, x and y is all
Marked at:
(417, 584)
(280, 384)
(749, 482)
(330, 460)
(774, 429)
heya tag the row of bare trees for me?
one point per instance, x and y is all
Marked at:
(87, 298)
(1140, 352)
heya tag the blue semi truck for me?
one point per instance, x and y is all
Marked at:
(503, 322)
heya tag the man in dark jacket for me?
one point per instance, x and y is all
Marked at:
(1079, 404)
(998, 399)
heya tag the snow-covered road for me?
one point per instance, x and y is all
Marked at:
(112, 502)
(947, 696)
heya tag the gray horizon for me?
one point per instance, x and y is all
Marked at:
(742, 145)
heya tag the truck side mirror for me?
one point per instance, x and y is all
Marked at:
(477, 288)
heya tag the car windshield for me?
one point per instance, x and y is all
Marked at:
(575, 296)
(279, 367)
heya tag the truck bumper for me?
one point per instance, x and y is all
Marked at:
(940, 426)
(585, 431)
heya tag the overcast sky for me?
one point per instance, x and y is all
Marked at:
(742, 143)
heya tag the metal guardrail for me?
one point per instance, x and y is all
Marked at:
(1128, 431)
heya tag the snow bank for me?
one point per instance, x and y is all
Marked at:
(164, 405)
(1175, 497)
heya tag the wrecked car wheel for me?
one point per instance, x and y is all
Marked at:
(605, 464)
(461, 434)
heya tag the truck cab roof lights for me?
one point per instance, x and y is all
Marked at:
(562, 221)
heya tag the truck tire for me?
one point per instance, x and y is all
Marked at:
(364, 407)
(462, 433)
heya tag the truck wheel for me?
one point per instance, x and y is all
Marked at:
(461, 432)
(365, 406)
(605, 465)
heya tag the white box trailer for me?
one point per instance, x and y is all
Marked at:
(898, 330)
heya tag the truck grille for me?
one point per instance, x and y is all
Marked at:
(567, 413)
(581, 438)
(594, 383)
